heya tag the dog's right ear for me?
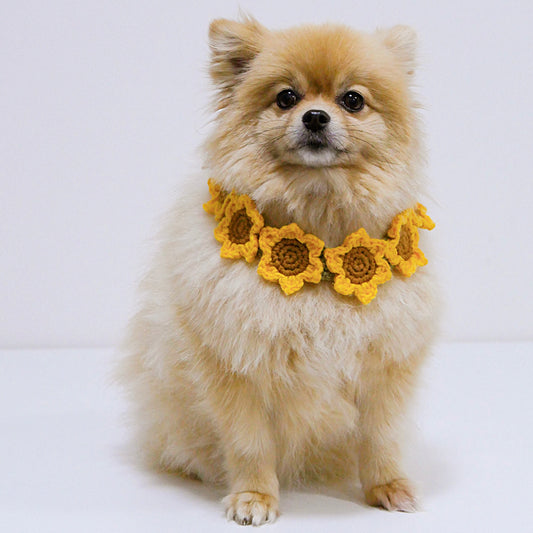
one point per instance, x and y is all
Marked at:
(233, 46)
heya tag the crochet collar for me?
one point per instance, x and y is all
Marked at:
(291, 257)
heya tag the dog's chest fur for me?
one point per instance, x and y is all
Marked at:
(252, 326)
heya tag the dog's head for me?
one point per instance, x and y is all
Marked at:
(312, 108)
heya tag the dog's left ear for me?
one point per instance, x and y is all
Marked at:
(402, 42)
(233, 46)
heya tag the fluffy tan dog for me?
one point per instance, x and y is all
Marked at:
(236, 382)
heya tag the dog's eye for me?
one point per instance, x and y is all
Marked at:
(352, 101)
(287, 99)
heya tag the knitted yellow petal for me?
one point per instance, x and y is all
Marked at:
(378, 247)
(268, 237)
(215, 191)
(267, 271)
(405, 217)
(383, 272)
(343, 285)
(334, 257)
(421, 218)
(313, 273)
(357, 238)
(291, 284)
(215, 205)
(247, 251)
(291, 231)
(366, 293)
(314, 244)
(408, 268)
(228, 251)
(225, 200)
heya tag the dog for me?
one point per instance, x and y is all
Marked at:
(288, 310)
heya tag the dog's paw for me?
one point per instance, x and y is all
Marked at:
(251, 508)
(394, 496)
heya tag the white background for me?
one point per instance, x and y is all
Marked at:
(102, 104)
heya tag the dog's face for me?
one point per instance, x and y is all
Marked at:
(316, 122)
(323, 96)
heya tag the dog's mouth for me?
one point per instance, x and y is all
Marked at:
(316, 145)
(315, 149)
(314, 142)
(319, 146)
(317, 153)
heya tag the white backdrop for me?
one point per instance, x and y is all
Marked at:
(102, 105)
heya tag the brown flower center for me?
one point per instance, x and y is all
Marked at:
(359, 265)
(290, 256)
(239, 227)
(405, 244)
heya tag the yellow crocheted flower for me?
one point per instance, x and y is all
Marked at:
(239, 227)
(215, 206)
(290, 257)
(359, 265)
(403, 251)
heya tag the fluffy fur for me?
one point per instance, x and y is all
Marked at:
(236, 383)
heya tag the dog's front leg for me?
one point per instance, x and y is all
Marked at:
(381, 398)
(249, 452)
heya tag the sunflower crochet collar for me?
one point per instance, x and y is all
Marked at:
(291, 257)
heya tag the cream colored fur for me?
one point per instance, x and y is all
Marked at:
(231, 380)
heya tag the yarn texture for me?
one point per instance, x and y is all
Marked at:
(239, 227)
(291, 257)
(360, 265)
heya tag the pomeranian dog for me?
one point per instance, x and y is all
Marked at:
(289, 307)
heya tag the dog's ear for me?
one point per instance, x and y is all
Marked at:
(233, 46)
(402, 42)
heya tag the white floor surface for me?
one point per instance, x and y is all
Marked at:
(62, 468)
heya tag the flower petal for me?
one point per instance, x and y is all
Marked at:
(422, 219)
(366, 292)
(291, 284)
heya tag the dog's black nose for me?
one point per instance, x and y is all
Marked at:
(315, 119)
